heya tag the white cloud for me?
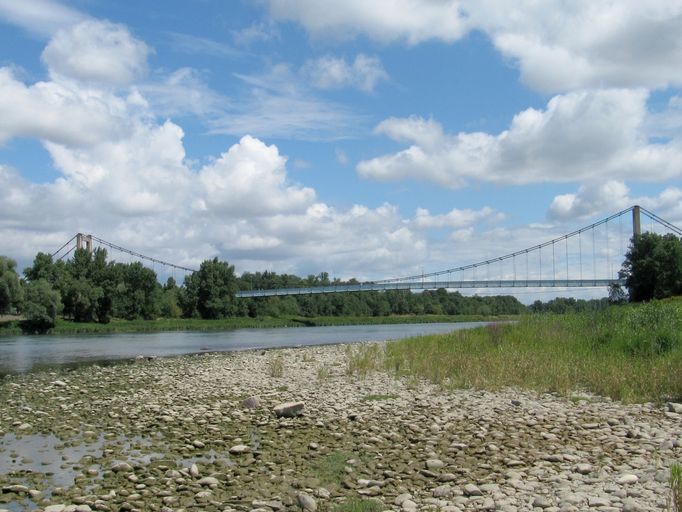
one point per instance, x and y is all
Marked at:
(256, 33)
(413, 21)
(250, 180)
(96, 51)
(579, 136)
(558, 46)
(563, 46)
(331, 72)
(59, 112)
(590, 200)
(596, 199)
(455, 219)
(42, 17)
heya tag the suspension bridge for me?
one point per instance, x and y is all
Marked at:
(589, 257)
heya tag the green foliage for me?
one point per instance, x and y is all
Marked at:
(11, 292)
(210, 292)
(676, 487)
(653, 267)
(331, 467)
(41, 306)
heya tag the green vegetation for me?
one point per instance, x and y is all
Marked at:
(653, 267)
(359, 506)
(676, 487)
(276, 367)
(330, 469)
(10, 287)
(630, 353)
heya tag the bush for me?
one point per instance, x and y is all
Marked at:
(41, 307)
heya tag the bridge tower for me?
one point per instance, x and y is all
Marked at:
(636, 224)
(84, 242)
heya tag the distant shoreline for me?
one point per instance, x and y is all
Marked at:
(66, 327)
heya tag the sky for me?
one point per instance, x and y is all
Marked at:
(363, 139)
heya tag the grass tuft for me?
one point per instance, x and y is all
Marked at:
(363, 359)
(277, 367)
(676, 487)
(359, 506)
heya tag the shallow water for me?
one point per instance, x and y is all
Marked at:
(29, 353)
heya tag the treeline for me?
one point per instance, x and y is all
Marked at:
(88, 288)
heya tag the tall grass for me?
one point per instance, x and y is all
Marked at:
(675, 487)
(629, 353)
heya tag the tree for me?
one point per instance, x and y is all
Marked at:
(41, 306)
(10, 286)
(653, 267)
(210, 291)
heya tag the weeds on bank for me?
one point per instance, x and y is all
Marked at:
(629, 353)
(363, 359)
(276, 367)
(675, 487)
(324, 373)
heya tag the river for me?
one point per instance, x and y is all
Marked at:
(20, 354)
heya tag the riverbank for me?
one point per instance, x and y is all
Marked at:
(177, 433)
(66, 327)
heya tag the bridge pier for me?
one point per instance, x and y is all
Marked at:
(84, 242)
(636, 223)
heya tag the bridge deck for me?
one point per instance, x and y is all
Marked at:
(433, 285)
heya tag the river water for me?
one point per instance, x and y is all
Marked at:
(28, 353)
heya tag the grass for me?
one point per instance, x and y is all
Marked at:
(324, 373)
(629, 353)
(9, 327)
(276, 367)
(676, 487)
(330, 469)
(359, 506)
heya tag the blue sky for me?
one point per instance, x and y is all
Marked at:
(366, 139)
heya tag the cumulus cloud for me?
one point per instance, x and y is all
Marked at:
(578, 136)
(563, 46)
(595, 199)
(413, 21)
(96, 51)
(331, 72)
(58, 112)
(250, 179)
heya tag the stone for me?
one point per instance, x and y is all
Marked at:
(209, 480)
(251, 403)
(472, 490)
(239, 449)
(194, 471)
(674, 407)
(306, 502)
(434, 464)
(54, 508)
(59, 383)
(583, 469)
(401, 498)
(442, 491)
(288, 409)
(541, 502)
(598, 501)
(409, 506)
(447, 477)
(627, 479)
(121, 467)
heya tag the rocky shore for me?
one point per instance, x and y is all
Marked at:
(201, 433)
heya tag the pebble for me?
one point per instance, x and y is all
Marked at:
(306, 502)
